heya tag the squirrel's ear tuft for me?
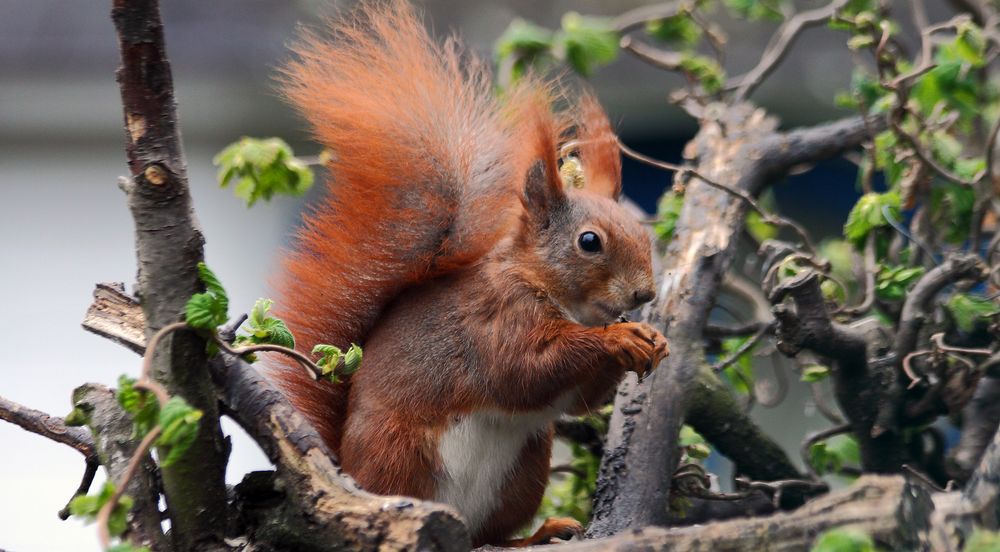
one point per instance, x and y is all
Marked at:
(543, 192)
(598, 149)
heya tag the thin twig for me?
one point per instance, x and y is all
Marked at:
(915, 378)
(829, 413)
(744, 347)
(89, 472)
(314, 370)
(938, 340)
(780, 45)
(638, 17)
(147, 359)
(683, 171)
(741, 330)
(870, 269)
(104, 514)
(815, 438)
(670, 61)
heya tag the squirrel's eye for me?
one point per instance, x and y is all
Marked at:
(590, 243)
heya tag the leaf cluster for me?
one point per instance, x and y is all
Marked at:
(262, 168)
(178, 421)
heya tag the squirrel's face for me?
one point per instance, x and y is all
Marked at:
(597, 259)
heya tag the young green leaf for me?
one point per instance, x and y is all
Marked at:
(843, 540)
(180, 428)
(586, 43)
(892, 283)
(262, 168)
(668, 211)
(705, 70)
(677, 30)
(128, 547)
(142, 405)
(689, 436)
(352, 359)
(523, 45)
(969, 311)
(87, 506)
(330, 358)
(983, 541)
(209, 310)
(867, 215)
(264, 328)
(739, 374)
(815, 372)
(756, 9)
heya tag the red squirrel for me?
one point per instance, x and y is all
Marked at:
(484, 290)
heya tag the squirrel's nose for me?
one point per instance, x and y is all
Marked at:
(643, 296)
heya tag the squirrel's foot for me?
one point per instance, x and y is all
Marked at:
(552, 528)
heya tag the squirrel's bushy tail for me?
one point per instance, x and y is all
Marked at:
(427, 166)
(420, 180)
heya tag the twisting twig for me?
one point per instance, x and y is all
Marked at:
(314, 370)
(780, 43)
(162, 397)
(815, 438)
(927, 157)
(938, 340)
(764, 330)
(776, 488)
(824, 408)
(634, 19)
(915, 378)
(684, 171)
(870, 268)
(104, 514)
(741, 330)
(670, 61)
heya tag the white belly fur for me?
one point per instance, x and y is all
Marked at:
(477, 454)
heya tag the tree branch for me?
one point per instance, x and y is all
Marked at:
(346, 516)
(809, 145)
(780, 45)
(322, 504)
(741, 150)
(859, 367)
(50, 427)
(716, 415)
(168, 247)
(112, 429)
(638, 17)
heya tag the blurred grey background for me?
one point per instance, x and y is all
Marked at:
(64, 224)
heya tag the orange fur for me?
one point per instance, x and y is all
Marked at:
(446, 247)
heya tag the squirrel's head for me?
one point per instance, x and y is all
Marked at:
(591, 256)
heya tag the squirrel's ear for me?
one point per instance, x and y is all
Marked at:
(598, 149)
(543, 192)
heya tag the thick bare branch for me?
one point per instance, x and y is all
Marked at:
(168, 247)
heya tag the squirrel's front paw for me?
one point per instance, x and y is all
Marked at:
(639, 347)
